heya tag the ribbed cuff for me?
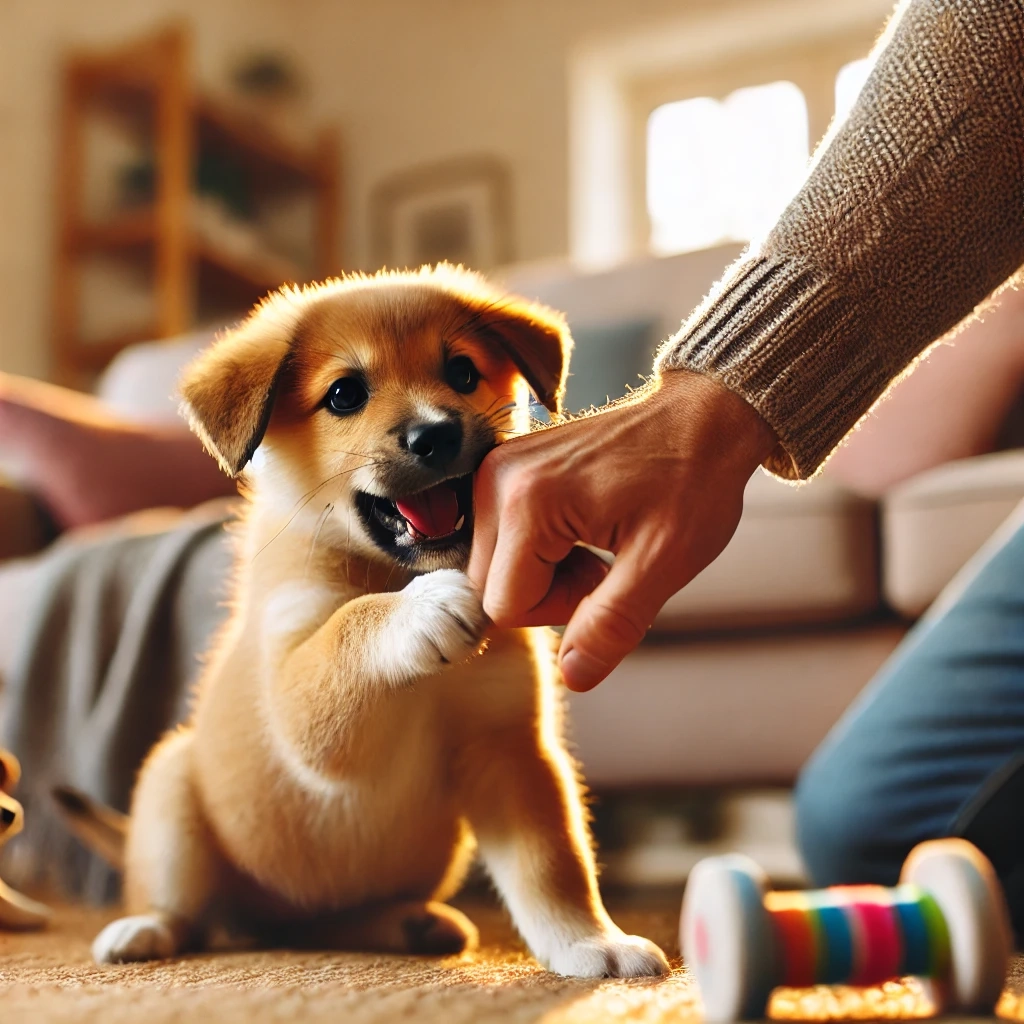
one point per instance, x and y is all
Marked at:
(789, 342)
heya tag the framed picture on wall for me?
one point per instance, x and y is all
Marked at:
(458, 210)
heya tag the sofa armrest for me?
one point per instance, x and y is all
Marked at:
(934, 523)
(24, 528)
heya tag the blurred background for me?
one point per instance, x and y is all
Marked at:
(164, 163)
(327, 135)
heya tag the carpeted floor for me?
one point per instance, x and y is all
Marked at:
(49, 977)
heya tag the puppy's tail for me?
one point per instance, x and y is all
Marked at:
(101, 828)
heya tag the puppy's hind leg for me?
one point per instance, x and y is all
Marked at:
(171, 863)
(428, 928)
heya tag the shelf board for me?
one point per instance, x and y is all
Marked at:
(261, 275)
(137, 230)
(272, 161)
(269, 154)
(127, 231)
(96, 354)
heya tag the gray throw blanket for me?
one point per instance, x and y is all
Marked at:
(115, 625)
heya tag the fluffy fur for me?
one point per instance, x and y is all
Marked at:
(355, 737)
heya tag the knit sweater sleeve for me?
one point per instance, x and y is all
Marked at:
(911, 215)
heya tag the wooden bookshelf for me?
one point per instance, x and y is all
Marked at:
(138, 232)
(145, 87)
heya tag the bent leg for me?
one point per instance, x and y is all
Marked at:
(411, 926)
(172, 867)
(938, 729)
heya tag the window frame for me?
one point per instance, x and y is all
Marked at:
(615, 84)
(811, 68)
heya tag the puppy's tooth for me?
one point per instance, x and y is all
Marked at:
(458, 525)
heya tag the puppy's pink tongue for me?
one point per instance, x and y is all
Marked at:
(433, 513)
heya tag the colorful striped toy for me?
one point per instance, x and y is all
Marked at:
(946, 920)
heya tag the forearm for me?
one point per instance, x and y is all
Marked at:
(911, 216)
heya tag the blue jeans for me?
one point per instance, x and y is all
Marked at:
(935, 745)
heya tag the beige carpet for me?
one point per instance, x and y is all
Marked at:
(48, 977)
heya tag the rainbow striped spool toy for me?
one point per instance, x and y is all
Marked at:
(946, 920)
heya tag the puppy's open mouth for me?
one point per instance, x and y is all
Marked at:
(434, 519)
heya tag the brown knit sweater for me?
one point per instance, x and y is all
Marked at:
(912, 214)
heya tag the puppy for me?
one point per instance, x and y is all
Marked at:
(354, 739)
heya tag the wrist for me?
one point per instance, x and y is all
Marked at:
(699, 408)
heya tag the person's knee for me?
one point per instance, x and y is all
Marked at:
(841, 831)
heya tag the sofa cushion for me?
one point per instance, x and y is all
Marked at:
(607, 359)
(804, 554)
(662, 289)
(723, 711)
(933, 523)
(141, 383)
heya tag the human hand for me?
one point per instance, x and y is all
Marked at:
(658, 480)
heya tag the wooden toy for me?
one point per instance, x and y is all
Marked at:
(946, 921)
(16, 910)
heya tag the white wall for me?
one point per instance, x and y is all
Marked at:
(414, 82)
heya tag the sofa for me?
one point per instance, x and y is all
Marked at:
(747, 668)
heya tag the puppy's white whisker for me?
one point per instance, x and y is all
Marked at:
(348, 544)
(328, 509)
(306, 499)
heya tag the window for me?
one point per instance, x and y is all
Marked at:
(723, 170)
(849, 82)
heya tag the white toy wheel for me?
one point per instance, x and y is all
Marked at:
(964, 885)
(727, 939)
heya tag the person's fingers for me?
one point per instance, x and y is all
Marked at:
(485, 521)
(523, 564)
(519, 546)
(575, 577)
(611, 621)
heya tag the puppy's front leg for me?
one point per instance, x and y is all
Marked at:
(371, 647)
(526, 810)
(436, 620)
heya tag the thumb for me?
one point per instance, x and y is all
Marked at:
(610, 622)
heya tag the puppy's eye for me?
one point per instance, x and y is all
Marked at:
(462, 375)
(348, 394)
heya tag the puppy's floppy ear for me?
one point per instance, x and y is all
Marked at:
(228, 390)
(538, 342)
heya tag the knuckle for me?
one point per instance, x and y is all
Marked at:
(623, 627)
(487, 472)
(519, 486)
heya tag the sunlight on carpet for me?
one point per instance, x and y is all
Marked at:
(48, 977)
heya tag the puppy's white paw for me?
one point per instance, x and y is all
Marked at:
(128, 939)
(609, 956)
(440, 622)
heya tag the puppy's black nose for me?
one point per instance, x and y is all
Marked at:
(435, 444)
(7, 816)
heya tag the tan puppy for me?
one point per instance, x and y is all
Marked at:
(348, 748)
